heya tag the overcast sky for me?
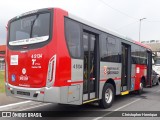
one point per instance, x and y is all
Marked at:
(121, 16)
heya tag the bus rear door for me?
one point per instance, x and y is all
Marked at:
(91, 67)
(126, 69)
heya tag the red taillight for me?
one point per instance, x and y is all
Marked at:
(51, 71)
(41, 92)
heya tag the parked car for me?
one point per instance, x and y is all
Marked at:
(155, 78)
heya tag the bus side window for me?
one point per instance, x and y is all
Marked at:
(72, 30)
(110, 49)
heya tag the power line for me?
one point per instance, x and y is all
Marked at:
(108, 5)
(117, 10)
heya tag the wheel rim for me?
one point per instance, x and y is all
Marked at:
(108, 95)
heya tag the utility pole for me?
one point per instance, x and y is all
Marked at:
(140, 20)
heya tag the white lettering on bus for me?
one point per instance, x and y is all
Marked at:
(25, 78)
(33, 61)
(36, 56)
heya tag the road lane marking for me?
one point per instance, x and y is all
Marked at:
(127, 104)
(116, 109)
(14, 104)
(35, 106)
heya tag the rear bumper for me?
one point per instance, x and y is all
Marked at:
(64, 95)
(44, 94)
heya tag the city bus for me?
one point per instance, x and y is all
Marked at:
(54, 56)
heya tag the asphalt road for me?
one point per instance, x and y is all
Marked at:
(148, 101)
(4, 100)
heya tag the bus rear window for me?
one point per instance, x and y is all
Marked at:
(29, 30)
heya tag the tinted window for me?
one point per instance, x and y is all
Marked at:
(72, 30)
(85, 42)
(139, 54)
(157, 61)
(110, 51)
(35, 26)
(143, 56)
(134, 54)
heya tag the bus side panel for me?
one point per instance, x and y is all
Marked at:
(63, 69)
(73, 94)
(75, 91)
(110, 70)
(133, 74)
(140, 72)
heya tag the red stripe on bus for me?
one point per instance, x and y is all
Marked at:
(117, 78)
(76, 82)
(103, 80)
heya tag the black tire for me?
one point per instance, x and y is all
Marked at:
(140, 91)
(108, 90)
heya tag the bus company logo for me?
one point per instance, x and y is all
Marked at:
(24, 78)
(23, 71)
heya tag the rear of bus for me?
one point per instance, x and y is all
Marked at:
(38, 65)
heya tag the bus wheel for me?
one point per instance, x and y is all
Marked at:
(107, 96)
(140, 91)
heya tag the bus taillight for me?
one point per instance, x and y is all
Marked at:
(51, 71)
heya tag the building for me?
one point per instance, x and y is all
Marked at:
(2, 56)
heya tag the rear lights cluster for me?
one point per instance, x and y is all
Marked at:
(38, 92)
(51, 71)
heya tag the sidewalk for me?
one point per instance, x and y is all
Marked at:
(4, 100)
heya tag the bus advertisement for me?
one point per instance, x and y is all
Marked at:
(54, 56)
